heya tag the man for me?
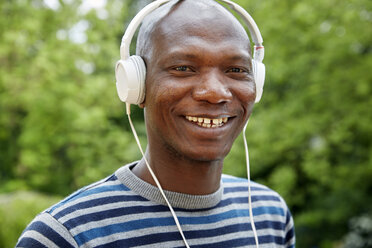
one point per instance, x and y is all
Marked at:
(200, 92)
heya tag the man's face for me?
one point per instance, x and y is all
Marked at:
(199, 86)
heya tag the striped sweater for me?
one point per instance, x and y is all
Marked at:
(124, 211)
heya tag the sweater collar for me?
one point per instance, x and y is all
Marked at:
(177, 200)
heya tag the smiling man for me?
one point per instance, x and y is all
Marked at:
(200, 92)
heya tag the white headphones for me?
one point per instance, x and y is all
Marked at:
(130, 83)
(130, 71)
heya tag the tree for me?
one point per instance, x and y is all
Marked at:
(62, 125)
(310, 137)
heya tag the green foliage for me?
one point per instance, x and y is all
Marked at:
(17, 210)
(310, 137)
(62, 125)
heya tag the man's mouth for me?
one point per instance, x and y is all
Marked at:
(207, 122)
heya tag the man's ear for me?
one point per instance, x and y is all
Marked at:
(142, 105)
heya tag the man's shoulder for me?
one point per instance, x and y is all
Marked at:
(102, 192)
(260, 193)
(233, 181)
(55, 223)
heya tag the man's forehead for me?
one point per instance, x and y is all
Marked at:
(195, 47)
(200, 15)
(179, 20)
(209, 23)
(204, 54)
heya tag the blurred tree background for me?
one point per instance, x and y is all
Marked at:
(62, 125)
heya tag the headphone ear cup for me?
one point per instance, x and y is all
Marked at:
(259, 78)
(130, 79)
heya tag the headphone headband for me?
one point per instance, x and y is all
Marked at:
(130, 71)
(258, 54)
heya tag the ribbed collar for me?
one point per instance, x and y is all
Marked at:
(177, 200)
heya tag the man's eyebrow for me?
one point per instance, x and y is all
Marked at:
(181, 55)
(177, 57)
(236, 57)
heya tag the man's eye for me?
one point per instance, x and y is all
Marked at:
(236, 70)
(182, 68)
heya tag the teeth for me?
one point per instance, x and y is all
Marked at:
(207, 122)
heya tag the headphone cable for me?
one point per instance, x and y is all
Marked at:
(164, 196)
(154, 177)
(249, 185)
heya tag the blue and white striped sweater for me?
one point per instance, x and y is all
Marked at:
(124, 211)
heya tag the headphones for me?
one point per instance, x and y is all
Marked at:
(130, 74)
(130, 71)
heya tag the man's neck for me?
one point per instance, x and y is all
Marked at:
(181, 175)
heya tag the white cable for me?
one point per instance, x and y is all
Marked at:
(164, 196)
(154, 177)
(249, 186)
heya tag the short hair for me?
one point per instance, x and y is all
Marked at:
(151, 22)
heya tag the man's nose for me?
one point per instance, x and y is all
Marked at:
(212, 88)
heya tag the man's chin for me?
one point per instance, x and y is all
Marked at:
(207, 156)
(199, 153)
